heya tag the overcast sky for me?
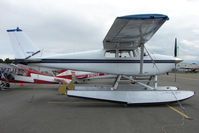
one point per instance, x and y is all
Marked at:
(63, 26)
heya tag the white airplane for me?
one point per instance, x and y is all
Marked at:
(124, 54)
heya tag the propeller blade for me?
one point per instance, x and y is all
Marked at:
(175, 54)
(175, 48)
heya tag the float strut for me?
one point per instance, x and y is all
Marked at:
(156, 82)
(116, 83)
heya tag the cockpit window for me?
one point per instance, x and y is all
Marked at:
(21, 72)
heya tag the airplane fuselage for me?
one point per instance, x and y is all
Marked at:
(96, 61)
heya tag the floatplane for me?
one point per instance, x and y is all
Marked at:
(124, 54)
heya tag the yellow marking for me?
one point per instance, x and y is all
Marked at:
(62, 89)
(184, 115)
(71, 86)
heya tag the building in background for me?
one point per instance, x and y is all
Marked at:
(186, 67)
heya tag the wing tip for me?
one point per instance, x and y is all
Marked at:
(145, 16)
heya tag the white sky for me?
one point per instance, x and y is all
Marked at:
(63, 26)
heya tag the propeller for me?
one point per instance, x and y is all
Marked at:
(175, 48)
(175, 54)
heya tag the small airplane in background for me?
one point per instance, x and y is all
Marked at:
(10, 73)
(18, 74)
(124, 55)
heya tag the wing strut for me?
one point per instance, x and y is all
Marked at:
(141, 58)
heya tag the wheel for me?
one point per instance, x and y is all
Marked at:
(7, 85)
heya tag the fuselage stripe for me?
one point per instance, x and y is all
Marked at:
(92, 61)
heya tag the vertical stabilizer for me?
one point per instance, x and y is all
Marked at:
(22, 45)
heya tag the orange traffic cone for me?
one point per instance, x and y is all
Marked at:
(21, 84)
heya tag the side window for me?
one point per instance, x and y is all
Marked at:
(21, 72)
(124, 54)
(121, 54)
(109, 54)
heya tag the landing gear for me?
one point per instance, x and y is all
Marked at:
(116, 83)
(149, 81)
(4, 85)
(133, 95)
(133, 81)
(140, 83)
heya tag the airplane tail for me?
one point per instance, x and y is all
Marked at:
(22, 45)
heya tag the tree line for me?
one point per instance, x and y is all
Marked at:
(7, 60)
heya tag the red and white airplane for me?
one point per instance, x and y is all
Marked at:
(18, 74)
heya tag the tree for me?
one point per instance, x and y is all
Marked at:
(1, 61)
(7, 60)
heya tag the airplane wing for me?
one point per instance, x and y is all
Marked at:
(129, 32)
